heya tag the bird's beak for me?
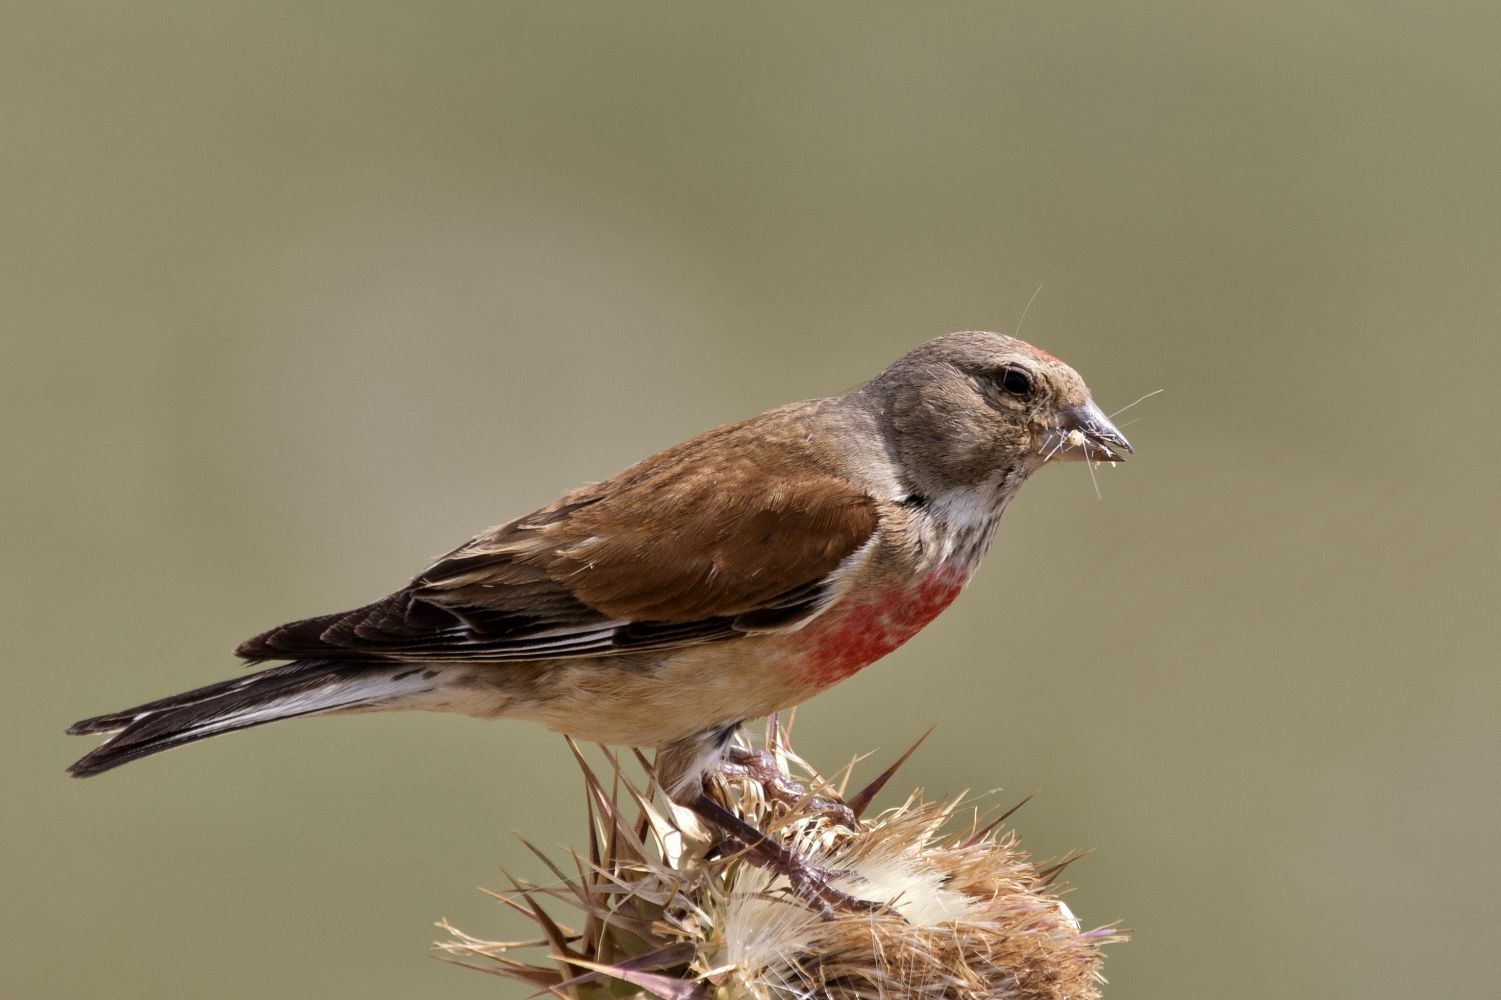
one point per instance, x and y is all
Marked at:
(1084, 433)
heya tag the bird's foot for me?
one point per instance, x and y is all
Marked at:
(761, 767)
(812, 882)
(806, 879)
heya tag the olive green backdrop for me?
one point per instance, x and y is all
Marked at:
(296, 295)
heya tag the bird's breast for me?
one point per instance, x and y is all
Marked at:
(861, 630)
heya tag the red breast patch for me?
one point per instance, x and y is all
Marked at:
(860, 634)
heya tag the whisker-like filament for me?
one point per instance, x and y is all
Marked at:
(1023, 319)
(1123, 409)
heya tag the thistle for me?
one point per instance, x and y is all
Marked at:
(658, 911)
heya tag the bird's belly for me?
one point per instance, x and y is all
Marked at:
(657, 700)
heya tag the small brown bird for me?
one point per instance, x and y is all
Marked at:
(733, 575)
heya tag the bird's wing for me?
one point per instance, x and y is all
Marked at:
(740, 530)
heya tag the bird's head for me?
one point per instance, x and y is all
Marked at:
(979, 410)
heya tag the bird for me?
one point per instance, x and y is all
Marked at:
(728, 577)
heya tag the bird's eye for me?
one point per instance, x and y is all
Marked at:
(1015, 381)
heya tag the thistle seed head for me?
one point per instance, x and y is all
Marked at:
(657, 912)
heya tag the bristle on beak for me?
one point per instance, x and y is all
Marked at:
(1084, 434)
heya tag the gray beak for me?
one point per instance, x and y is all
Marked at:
(1084, 433)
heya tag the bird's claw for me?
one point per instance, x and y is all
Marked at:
(761, 767)
(812, 882)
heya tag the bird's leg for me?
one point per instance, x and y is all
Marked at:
(805, 877)
(681, 768)
(761, 767)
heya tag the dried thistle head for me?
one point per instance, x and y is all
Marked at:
(659, 913)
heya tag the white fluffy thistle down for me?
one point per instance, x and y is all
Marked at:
(962, 913)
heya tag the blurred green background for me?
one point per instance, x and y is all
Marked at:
(294, 296)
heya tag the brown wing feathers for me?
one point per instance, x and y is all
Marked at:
(695, 545)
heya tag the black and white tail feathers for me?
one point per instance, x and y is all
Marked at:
(303, 687)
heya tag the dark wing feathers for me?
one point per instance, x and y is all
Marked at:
(735, 531)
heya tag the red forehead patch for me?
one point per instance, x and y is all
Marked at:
(1044, 355)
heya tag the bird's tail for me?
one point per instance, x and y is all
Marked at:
(303, 687)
